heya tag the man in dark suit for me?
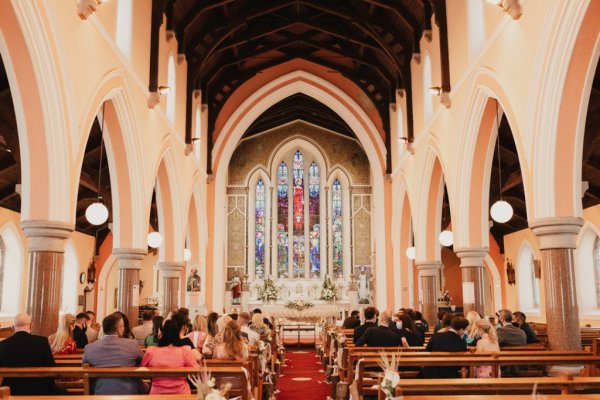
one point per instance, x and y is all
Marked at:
(519, 320)
(26, 350)
(352, 322)
(115, 351)
(450, 340)
(380, 336)
(79, 329)
(371, 314)
(508, 334)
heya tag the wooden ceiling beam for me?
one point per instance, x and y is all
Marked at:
(200, 8)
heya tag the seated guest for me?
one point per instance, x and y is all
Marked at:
(420, 323)
(407, 332)
(244, 320)
(508, 334)
(157, 323)
(61, 342)
(169, 354)
(371, 314)
(353, 321)
(519, 321)
(114, 351)
(438, 326)
(449, 341)
(23, 349)
(471, 336)
(211, 342)
(141, 332)
(446, 322)
(259, 326)
(233, 346)
(213, 331)
(79, 329)
(182, 322)
(199, 332)
(93, 327)
(380, 336)
(265, 320)
(487, 343)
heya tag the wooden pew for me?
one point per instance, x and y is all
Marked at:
(563, 385)
(222, 375)
(365, 381)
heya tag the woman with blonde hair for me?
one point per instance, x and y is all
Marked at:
(232, 347)
(61, 342)
(472, 331)
(488, 343)
(259, 326)
(211, 342)
(199, 331)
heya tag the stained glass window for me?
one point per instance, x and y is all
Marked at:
(338, 245)
(313, 212)
(259, 230)
(298, 214)
(282, 221)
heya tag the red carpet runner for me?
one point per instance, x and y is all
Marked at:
(302, 378)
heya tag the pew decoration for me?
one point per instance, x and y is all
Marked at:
(391, 378)
(205, 385)
(299, 304)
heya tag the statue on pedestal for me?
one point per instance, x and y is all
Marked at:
(363, 284)
(236, 289)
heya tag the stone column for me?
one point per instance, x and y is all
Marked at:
(429, 276)
(558, 238)
(171, 285)
(129, 266)
(472, 269)
(46, 242)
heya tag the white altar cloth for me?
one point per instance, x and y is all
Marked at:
(315, 313)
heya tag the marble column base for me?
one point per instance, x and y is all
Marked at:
(129, 266)
(170, 294)
(44, 292)
(429, 277)
(472, 280)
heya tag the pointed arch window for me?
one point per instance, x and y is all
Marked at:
(282, 220)
(314, 215)
(338, 243)
(259, 230)
(298, 215)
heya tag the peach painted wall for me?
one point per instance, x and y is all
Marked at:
(452, 276)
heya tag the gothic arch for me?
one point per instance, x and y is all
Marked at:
(258, 102)
(585, 276)
(403, 239)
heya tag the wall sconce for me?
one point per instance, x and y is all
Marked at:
(512, 7)
(85, 8)
(435, 91)
(164, 89)
(510, 273)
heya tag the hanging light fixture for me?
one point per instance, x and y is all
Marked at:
(446, 236)
(187, 254)
(501, 210)
(411, 253)
(97, 213)
(155, 240)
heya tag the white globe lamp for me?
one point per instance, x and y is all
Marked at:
(501, 211)
(155, 239)
(96, 213)
(446, 238)
(411, 253)
(187, 255)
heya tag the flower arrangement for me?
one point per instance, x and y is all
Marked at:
(445, 297)
(363, 301)
(269, 291)
(205, 384)
(329, 291)
(299, 304)
(391, 378)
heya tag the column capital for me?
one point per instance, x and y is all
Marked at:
(471, 256)
(428, 268)
(171, 268)
(44, 235)
(129, 258)
(557, 232)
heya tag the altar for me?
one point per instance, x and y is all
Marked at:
(313, 314)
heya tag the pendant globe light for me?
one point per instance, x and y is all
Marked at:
(411, 253)
(155, 240)
(97, 213)
(501, 210)
(187, 254)
(446, 236)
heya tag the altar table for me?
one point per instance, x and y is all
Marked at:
(312, 314)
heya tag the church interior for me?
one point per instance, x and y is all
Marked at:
(304, 161)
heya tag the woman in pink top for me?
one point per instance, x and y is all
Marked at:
(199, 331)
(166, 354)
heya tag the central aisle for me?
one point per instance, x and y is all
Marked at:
(302, 377)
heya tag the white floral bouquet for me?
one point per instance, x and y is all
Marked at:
(445, 297)
(269, 291)
(329, 291)
(205, 384)
(391, 378)
(299, 304)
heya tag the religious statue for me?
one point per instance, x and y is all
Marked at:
(236, 289)
(363, 284)
(193, 281)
